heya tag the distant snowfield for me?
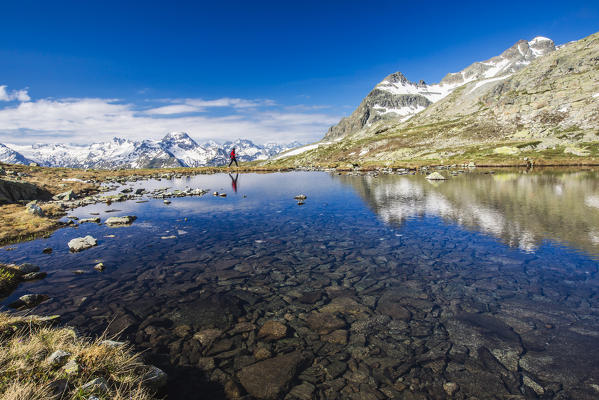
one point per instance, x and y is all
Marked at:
(433, 93)
(485, 81)
(301, 150)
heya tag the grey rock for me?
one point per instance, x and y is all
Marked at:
(26, 268)
(155, 378)
(13, 192)
(66, 196)
(435, 176)
(71, 368)
(95, 220)
(34, 275)
(34, 209)
(125, 220)
(112, 343)
(98, 385)
(32, 300)
(82, 243)
(58, 358)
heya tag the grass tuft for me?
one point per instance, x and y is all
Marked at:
(26, 374)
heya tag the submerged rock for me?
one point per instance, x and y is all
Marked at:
(272, 330)
(269, 378)
(29, 300)
(82, 243)
(26, 268)
(324, 323)
(34, 275)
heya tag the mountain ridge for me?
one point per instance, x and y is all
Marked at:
(175, 149)
(397, 98)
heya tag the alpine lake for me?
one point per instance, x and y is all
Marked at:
(379, 286)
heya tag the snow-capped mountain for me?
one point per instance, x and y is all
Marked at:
(9, 156)
(397, 98)
(176, 149)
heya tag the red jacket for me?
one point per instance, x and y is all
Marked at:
(232, 154)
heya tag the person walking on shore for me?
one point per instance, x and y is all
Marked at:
(233, 158)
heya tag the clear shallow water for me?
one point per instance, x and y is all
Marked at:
(489, 281)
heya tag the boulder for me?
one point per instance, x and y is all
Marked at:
(435, 176)
(34, 209)
(95, 220)
(155, 378)
(270, 378)
(29, 300)
(13, 192)
(26, 268)
(34, 275)
(66, 196)
(116, 221)
(82, 243)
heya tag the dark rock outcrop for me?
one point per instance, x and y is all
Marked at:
(14, 192)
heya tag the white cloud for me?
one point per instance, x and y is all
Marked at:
(88, 120)
(20, 95)
(173, 109)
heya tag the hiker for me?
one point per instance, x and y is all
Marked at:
(233, 158)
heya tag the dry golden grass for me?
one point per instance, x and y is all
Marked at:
(17, 224)
(25, 372)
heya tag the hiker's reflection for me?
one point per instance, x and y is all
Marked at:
(234, 182)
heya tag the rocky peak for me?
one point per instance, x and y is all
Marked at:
(511, 60)
(179, 139)
(396, 77)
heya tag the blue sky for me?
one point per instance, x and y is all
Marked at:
(268, 71)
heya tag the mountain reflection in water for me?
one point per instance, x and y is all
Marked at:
(521, 209)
